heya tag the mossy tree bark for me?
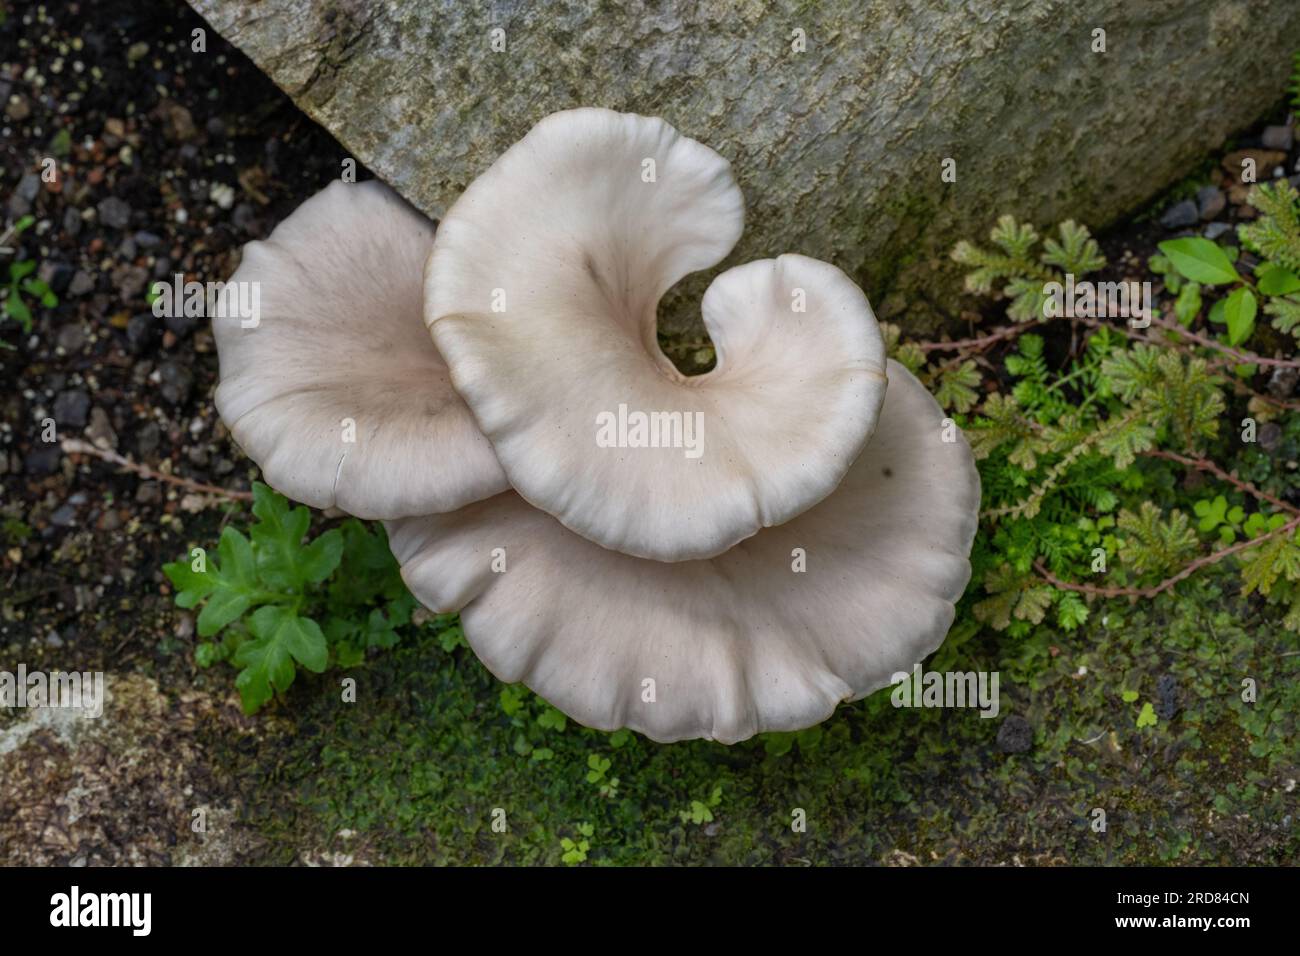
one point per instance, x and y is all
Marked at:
(840, 146)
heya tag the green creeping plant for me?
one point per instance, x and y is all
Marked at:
(23, 288)
(1192, 263)
(272, 601)
(1083, 454)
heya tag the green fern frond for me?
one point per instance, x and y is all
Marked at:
(1154, 544)
(1275, 235)
(1182, 394)
(1276, 558)
(1126, 441)
(1292, 620)
(1011, 596)
(956, 389)
(1285, 311)
(1016, 239)
(1015, 260)
(907, 354)
(1076, 253)
(1189, 398)
(1024, 270)
(1002, 423)
(1132, 372)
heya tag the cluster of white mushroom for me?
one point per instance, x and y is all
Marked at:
(815, 544)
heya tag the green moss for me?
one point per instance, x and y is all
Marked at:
(416, 767)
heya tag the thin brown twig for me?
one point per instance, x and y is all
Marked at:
(981, 342)
(75, 446)
(965, 348)
(1169, 582)
(1242, 389)
(1242, 358)
(1204, 464)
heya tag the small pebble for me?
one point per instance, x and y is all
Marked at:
(71, 408)
(114, 212)
(222, 195)
(43, 459)
(65, 516)
(176, 382)
(100, 430)
(29, 187)
(1278, 137)
(18, 109)
(72, 337)
(82, 282)
(1283, 382)
(72, 221)
(179, 324)
(148, 439)
(1015, 736)
(1210, 202)
(141, 330)
(1180, 215)
(148, 493)
(55, 274)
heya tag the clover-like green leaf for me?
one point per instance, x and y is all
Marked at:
(1147, 716)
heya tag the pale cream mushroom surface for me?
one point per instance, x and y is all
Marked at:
(335, 388)
(541, 294)
(769, 636)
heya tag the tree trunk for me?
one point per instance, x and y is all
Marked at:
(838, 118)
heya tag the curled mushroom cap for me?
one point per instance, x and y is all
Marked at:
(541, 295)
(738, 644)
(334, 387)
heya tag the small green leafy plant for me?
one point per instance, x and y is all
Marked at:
(575, 851)
(1192, 263)
(597, 770)
(701, 811)
(1022, 268)
(272, 602)
(1081, 441)
(24, 291)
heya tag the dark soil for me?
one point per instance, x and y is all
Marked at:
(168, 161)
(163, 169)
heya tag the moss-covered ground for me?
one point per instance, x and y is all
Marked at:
(414, 770)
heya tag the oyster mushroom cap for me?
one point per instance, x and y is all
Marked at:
(734, 645)
(337, 391)
(541, 294)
